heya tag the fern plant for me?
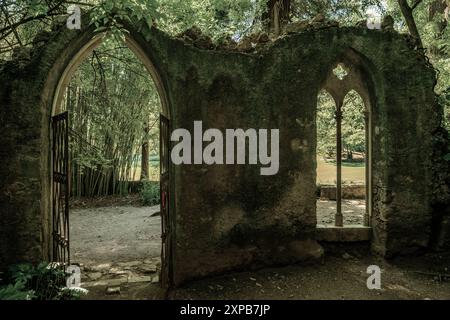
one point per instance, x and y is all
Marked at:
(42, 282)
(16, 291)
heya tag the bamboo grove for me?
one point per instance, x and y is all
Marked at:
(113, 110)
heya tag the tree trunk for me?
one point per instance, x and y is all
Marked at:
(277, 15)
(407, 13)
(437, 7)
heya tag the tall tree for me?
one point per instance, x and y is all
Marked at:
(277, 15)
(436, 15)
(408, 14)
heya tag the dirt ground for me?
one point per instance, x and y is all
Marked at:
(114, 234)
(342, 275)
(130, 200)
(119, 248)
(352, 210)
(127, 233)
(116, 246)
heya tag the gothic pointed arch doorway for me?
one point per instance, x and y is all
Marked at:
(60, 159)
(344, 153)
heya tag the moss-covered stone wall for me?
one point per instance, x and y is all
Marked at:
(228, 217)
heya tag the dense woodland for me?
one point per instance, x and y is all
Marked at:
(114, 106)
(114, 119)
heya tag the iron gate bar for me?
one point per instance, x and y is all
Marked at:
(368, 154)
(164, 150)
(60, 189)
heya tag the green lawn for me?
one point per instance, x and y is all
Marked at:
(351, 172)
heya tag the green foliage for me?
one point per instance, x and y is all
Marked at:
(353, 124)
(326, 125)
(150, 193)
(16, 291)
(44, 281)
(217, 18)
(37, 7)
(347, 12)
(41, 282)
(114, 110)
(110, 15)
(225, 18)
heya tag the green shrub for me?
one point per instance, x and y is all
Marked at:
(41, 282)
(150, 193)
(16, 291)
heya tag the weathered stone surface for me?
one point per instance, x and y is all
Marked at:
(362, 23)
(387, 23)
(247, 44)
(136, 279)
(112, 290)
(101, 267)
(95, 276)
(318, 18)
(129, 264)
(296, 27)
(147, 268)
(348, 192)
(263, 37)
(306, 250)
(194, 33)
(227, 44)
(155, 279)
(343, 234)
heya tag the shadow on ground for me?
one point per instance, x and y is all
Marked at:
(342, 275)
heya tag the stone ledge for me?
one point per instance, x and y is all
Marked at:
(350, 233)
(354, 191)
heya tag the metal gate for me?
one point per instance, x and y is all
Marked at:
(164, 143)
(60, 189)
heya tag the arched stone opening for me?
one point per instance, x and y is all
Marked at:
(349, 209)
(81, 45)
(90, 46)
(346, 76)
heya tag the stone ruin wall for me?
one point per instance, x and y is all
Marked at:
(230, 217)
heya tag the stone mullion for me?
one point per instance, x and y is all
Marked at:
(339, 220)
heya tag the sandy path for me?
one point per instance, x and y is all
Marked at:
(114, 234)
